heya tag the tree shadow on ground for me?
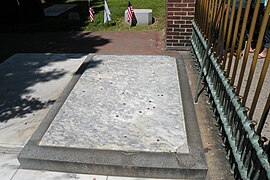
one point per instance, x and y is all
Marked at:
(16, 86)
(21, 78)
(52, 42)
(15, 99)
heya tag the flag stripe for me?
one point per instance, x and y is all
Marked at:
(91, 14)
(130, 11)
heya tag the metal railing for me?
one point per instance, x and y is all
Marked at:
(225, 32)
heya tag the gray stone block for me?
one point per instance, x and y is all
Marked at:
(142, 17)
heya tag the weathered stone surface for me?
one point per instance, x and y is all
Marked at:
(58, 9)
(24, 174)
(8, 164)
(30, 84)
(129, 103)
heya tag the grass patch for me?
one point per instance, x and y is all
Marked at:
(117, 9)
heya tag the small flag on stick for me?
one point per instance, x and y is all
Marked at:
(107, 13)
(91, 13)
(130, 11)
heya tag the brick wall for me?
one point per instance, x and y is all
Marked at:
(180, 13)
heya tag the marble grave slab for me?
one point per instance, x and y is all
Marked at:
(124, 103)
(58, 9)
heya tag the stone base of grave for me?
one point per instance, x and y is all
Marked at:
(121, 116)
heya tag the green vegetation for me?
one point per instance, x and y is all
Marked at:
(117, 9)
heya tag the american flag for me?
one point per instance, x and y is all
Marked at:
(130, 11)
(91, 13)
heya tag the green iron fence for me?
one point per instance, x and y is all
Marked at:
(237, 80)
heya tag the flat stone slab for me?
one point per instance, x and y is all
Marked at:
(30, 84)
(121, 116)
(58, 9)
(124, 103)
(8, 165)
